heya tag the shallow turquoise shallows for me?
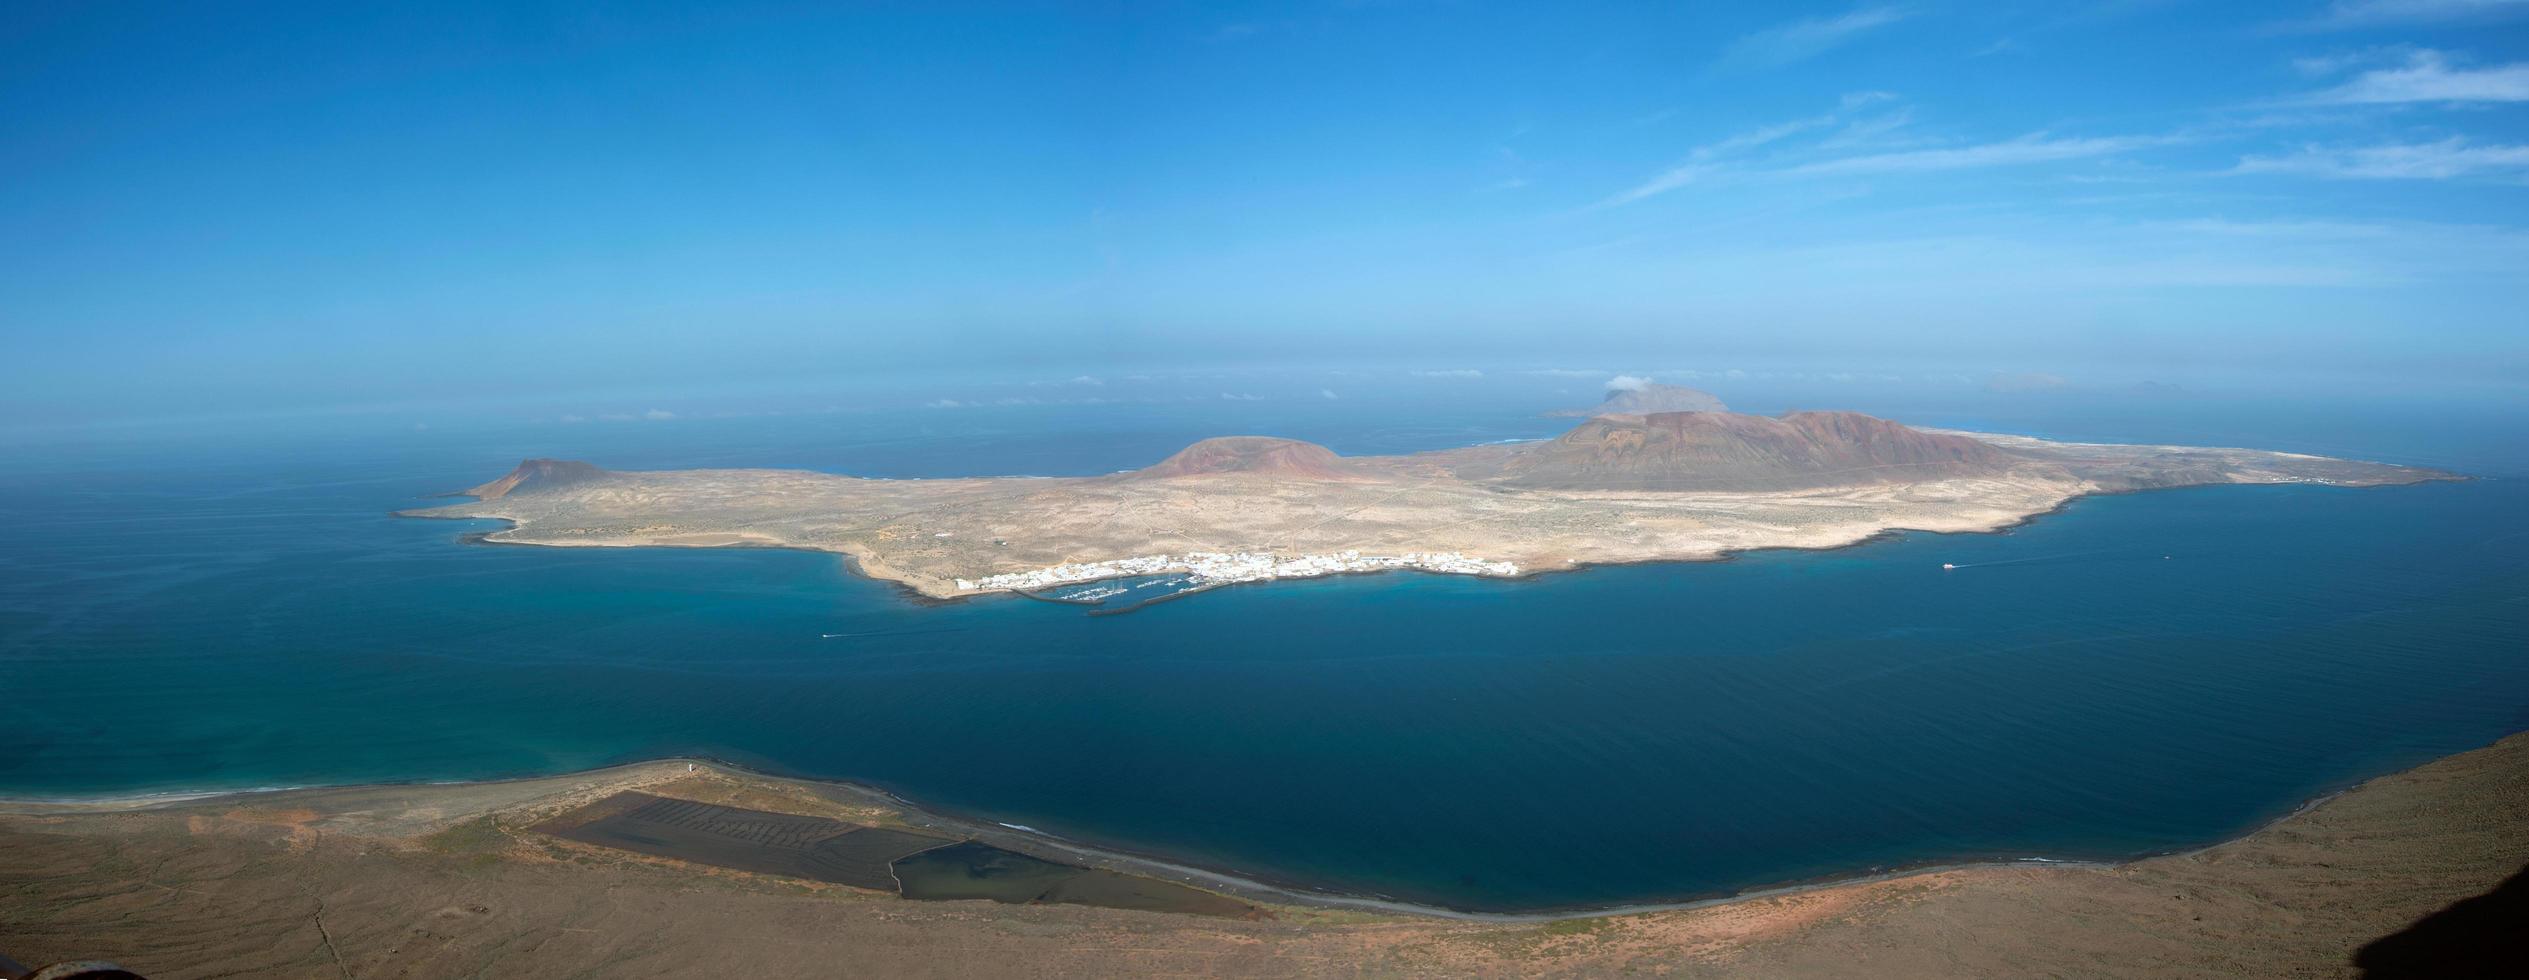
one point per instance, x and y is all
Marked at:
(2134, 674)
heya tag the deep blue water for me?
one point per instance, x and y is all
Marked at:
(178, 617)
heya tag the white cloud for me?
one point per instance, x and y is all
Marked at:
(1807, 38)
(574, 419)
(1328, 394)
(2043, 263)
(658, 415)
(2373, 13)
(1706, 159)
(2319, 66)
(2032, 148)
(1457, 373)
(2304, 230)
(2447, 159)
(947, 403)
(1227, 397)
(1627, 382)
(1861, 133)
(1567, 372)
(1712, 159)
(2428, 76)
(1667, 180)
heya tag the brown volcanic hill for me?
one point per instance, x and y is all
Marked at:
(1729, 451)
(1259, 455)
(1650, 399)
(537, 474)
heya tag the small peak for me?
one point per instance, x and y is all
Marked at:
(537, 474)
(1262, 455)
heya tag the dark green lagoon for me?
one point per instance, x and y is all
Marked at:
(2134, 674)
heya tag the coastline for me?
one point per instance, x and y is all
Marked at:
(1249, 886)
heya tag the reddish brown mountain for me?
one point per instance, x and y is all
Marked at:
(1727, 451)
(1258, 455)
(537, 474)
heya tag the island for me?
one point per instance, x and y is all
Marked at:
(1617, 488)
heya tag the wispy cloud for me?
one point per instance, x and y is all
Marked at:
(2029, 149)
(2308, 230)
(1875, 130)
(1807, 38)
(1707, 159)
(2350, 14)
(2321, 65)
(2034, 148)
(1700, 162)
(1450, 373)
(2428, 76)
(2444, 160)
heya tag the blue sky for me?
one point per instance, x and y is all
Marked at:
(237, 208)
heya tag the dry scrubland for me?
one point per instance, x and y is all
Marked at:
(441, 881)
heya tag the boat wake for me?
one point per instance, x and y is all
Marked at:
(2044, 560)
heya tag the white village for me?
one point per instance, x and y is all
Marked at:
(1204, 568)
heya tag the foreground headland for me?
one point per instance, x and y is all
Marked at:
(476, 879)
(1669, 486)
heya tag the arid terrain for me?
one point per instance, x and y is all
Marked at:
(1616, 488)
(441, 881)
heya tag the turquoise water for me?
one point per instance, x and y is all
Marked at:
(178, 618)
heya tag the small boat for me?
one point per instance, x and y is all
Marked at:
(1945, 566)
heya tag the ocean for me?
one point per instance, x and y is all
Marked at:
(2134, 674)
